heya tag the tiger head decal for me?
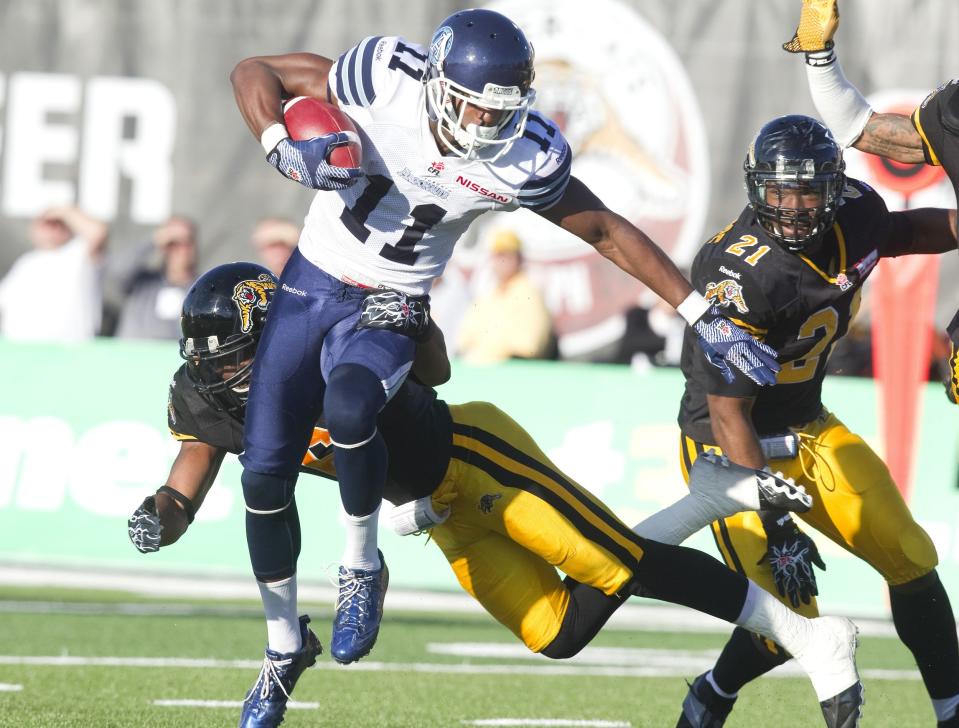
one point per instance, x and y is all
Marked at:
(252, 294)
(727, 293)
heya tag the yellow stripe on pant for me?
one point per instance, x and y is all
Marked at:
(516, 518)
(855, 503)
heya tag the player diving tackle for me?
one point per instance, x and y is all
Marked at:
(445, 463)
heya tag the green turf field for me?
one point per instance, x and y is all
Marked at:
(426, 670)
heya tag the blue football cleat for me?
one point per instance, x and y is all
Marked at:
(359, 609)
(265, 704)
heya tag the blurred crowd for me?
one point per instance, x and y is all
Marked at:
(498, 314)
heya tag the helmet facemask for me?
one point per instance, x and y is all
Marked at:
(220, 374)
(479, 59)
(798, 228)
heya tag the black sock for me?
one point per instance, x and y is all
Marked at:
(689, 577)
(589, 609)
(925, 624)
(745, 657)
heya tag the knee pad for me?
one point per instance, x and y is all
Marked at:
(267, 494)
(916, 556)
(354, 397)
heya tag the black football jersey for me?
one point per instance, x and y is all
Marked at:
(415, 424)
(800, 304)
(937, 121)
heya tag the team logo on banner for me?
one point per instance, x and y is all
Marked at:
(621, 97)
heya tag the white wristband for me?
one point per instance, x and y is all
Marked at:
(839, 103)
(273, 135)
(693, 307)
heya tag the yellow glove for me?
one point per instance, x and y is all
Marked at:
(817, 25)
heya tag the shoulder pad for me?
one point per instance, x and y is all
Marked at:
(549, 165)
(369, 72)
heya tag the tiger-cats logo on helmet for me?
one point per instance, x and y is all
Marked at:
(726, 293)
(252, 294)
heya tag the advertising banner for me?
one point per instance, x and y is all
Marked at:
(83, 439)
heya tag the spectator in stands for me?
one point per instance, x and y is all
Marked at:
(511, 321)
(53, 292)
(154, 296)
(274, 240)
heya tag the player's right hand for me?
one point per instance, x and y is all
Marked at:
(818, 21)
(306, 162)
(724, 344)
(144, 526)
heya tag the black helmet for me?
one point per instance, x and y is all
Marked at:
(222, 319)
(795, 153)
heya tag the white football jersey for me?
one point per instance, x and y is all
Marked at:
(396, 227)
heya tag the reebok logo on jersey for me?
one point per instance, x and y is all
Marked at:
(427, 185)
(731, 273)
(727, 293)
(291, 289)
(479, 189)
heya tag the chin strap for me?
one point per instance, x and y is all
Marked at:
(184, 502)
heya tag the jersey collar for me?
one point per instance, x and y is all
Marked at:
(841, 241)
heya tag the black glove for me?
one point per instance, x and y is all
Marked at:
(791, 555)
(407, 315)
(144, 526)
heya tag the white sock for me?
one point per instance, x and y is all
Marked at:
(768, 616)
(360, 549)
(945, 707)
(282, 622)
(677, 522)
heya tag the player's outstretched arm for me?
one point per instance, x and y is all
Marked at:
(892, 136)
(725, 344)
(920, 231)
(165, 516)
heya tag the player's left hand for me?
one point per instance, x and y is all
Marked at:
(818, 21)
(791, 555)
(144, 526)
(725, 343)
(407, 315)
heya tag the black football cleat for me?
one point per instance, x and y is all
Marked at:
(704, 707)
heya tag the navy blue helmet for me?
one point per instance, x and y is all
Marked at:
(482, 58)
(223, 316)
(794, 180)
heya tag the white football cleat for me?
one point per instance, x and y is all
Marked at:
(829, 658)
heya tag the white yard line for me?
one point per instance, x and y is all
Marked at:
(189, 703)
(10, 688)
(548, 669)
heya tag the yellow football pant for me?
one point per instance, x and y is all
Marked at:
(515, 519)
(855, 503)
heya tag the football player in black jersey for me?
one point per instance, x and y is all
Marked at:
(930, 134)
(504, 516)
(791, 268)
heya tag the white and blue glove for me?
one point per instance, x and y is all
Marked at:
(306, 161)
(725, 343)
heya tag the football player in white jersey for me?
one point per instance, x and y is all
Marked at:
(447, 134)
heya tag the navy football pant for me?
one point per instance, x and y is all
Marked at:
(310, 338)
